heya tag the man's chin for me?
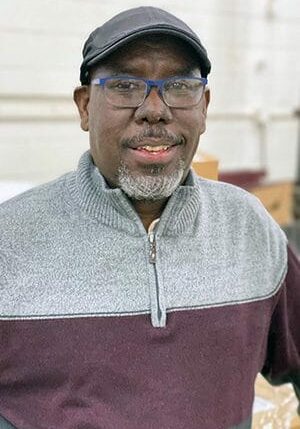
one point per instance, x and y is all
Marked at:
(151, 185)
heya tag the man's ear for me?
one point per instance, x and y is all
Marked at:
(203, 110)
(206, 101)
(81, 97)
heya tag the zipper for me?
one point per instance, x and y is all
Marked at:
(152, 260)
(152, 241)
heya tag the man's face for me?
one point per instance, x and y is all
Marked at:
(118, 134)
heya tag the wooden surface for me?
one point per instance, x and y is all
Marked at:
(295, 423)
(206, 166)
(277, 199)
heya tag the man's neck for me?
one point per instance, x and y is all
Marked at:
(148, 211)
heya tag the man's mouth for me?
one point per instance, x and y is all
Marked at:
(154, 149)
(154, 153)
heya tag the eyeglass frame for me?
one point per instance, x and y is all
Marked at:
(152, 83)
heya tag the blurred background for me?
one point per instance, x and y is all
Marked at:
(255, 83)
(253, 129)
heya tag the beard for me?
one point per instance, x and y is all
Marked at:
(153, 184)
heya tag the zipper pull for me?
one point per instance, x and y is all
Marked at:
(151, 237)
(152, 255)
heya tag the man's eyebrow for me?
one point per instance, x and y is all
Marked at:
(187, 71)
(115, 71)
(119, 70)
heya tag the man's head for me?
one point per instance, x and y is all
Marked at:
(143, 101)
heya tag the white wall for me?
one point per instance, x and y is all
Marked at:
(255, 81)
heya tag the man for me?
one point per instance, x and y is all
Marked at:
(134, 294)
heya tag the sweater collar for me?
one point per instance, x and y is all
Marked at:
(113, 208)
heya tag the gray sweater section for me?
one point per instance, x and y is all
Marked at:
(74, 247)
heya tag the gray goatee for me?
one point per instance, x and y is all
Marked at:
(153, 184)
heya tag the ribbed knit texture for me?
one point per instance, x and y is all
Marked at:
(111, 206)
(102, 328)
(77, 247)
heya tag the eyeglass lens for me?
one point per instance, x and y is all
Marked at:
(127, 92)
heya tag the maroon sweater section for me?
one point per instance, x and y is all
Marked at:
(121, 373)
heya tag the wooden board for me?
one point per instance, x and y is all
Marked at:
(278, 200)
(206, 166)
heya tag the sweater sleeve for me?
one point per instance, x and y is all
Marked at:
(282, 364)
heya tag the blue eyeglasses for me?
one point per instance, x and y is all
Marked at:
(131, 92)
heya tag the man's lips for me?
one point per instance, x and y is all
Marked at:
(153, 145)
(149, 152)
(151, 142)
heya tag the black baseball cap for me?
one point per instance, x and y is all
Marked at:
(131, 24)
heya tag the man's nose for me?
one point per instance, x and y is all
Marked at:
(154, 109)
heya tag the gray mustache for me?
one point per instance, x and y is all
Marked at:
(153, 133)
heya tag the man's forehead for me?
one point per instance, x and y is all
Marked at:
(158, 40)
(179, 52)
(155, 42)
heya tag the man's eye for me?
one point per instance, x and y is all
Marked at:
(178, 85)
(122, 85)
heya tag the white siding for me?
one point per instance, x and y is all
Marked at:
(255, 81)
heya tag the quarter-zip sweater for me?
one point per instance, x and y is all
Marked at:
(104, 325)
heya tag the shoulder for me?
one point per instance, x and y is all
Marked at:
(234, 204)
(226, 193)
(33, 207)
(237, 219)
(37, 194)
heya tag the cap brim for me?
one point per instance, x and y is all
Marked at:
(93, 60)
